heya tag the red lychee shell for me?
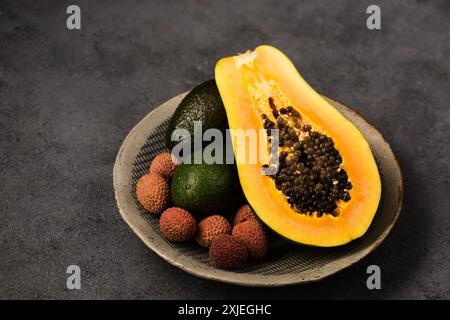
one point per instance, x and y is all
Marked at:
(176, 224)
(227, 252)
(252, 234)
(210, 227)
(152, 192)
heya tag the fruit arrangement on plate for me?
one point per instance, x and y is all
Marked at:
(315, 180)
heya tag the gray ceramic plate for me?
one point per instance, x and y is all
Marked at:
(286, 263)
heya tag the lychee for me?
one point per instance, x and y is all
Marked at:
(210, 227)
(227, 252)
(245, 213)
(164, 165)
(253, 236)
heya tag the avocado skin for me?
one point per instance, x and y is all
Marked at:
(206, 189)
(203, 103)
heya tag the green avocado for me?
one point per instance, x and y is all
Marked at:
(206, 189)
(203, 103)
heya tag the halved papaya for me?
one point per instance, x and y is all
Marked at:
(327, 187)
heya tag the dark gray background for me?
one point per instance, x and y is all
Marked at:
(68, 99)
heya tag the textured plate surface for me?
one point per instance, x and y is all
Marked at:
(286, 263)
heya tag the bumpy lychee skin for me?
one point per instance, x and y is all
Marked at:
(152, 192)
(245, 213)
(176, 224)
(164, 165)
(227, 252)
(253, 236)
(211, 227)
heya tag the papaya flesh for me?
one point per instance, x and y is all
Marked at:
(327, 188)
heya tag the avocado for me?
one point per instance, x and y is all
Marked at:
(203, 103)
(206, 189)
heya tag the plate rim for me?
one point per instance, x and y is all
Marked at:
(122, 185)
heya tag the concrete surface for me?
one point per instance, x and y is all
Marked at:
(68, 99)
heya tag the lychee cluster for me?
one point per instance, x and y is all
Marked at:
(153, 193)
(211, 227)
(230, 245)
(164, 165)
(226, 250)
